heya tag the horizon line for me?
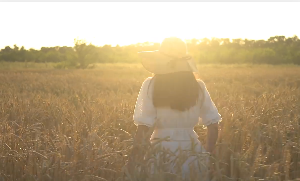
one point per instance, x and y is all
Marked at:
(150, 42)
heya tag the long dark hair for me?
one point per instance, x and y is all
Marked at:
(179, 90)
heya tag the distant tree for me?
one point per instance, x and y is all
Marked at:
(6, 49)
(215, 42)
(85, 54)
(16, 48)
(225, 41)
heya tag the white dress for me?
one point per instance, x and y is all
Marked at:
(178, 128)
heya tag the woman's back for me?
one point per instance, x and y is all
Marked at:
(178, 125)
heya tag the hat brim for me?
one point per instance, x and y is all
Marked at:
(158, 63)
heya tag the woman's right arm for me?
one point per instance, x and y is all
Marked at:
(212, 136)
(210, 118)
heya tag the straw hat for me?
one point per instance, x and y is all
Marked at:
(171, 57)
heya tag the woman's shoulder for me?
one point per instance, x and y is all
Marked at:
(147, 81)
(201, 83)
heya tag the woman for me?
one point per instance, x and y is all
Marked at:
(168, 107)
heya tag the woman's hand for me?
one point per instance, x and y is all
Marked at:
(143, 133)
(212, 136)
(130, 166)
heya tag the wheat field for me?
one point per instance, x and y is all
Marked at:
(77, 124)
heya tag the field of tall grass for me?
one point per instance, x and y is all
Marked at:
(77, 124)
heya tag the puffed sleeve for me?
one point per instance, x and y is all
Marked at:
(145, 112)
(208, 111)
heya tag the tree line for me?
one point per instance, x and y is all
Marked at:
(275, 50)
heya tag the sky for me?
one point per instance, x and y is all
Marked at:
(46, 24)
